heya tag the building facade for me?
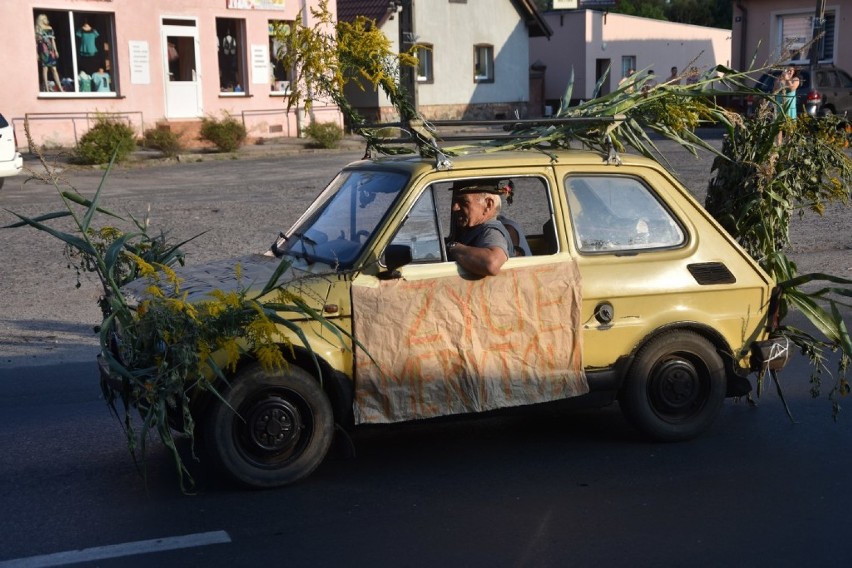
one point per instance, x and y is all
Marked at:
(590, 42)
(473, 56)
(158, 63)
(773, 31)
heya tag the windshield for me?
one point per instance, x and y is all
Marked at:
(339, 224)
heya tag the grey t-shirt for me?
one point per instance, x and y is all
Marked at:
(489, 234)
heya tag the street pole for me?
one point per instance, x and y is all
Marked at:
(406, 41)
(817, 37)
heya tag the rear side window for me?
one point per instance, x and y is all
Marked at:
(619, 213)
(3, 123)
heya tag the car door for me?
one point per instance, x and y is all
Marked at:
(651, 258)
(434, 340)
(843, 93)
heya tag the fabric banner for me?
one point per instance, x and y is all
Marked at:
(448, 345)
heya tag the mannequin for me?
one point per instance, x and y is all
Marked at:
(229, 44)
(48, 55)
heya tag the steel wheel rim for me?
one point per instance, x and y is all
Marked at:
(677, 389)
(273, 428)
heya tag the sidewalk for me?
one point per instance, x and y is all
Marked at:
(143, 156)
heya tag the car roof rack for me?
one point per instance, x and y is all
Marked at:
(532, 133)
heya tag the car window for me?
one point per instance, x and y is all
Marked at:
(618, 213)
(3, 123)
(528, 218)
(844, 80)
(420, 230)
(825, 79)
(529, 211)
(343, 220)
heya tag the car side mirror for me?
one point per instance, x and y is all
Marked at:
(395, 257)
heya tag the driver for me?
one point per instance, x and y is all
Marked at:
(480, 242)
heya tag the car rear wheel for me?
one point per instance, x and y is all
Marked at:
(675, 387)
(270, 429)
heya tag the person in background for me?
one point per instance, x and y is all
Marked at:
(785, 91)
(626, 78)
(673, 78)
(785, 94)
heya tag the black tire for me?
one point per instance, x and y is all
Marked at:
(675, 387)
(276, 431)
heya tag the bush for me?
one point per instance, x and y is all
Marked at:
(227, 134)
(324, 134)
(163, 140)
(108, 135)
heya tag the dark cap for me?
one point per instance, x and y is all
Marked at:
(493, 186)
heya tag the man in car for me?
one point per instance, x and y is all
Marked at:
(481, 242)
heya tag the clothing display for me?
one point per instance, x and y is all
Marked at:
(85, 82)
(229, 45)
(47, 47)
(101, 80)
(87, 38)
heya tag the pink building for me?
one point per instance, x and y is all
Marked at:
(164, 63)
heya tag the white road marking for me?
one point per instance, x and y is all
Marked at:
(119, 550)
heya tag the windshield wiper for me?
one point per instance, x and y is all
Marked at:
(305, 239)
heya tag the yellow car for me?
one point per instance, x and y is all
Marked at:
(626, 290)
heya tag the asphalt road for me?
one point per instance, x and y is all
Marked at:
(535, 487)
(528, 487)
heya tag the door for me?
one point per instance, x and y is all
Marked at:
(183, 74)
(436, 341)
(603, 66)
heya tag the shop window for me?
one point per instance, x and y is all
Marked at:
(796, 30)
(424, 63)
(230, 35)
(75, 52)
(483, 64)
(279, 75)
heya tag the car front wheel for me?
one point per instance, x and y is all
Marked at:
(270, 429)
(675, 387)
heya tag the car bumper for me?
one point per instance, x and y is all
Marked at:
(12, 167)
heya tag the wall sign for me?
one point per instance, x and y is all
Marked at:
(140, 62)
(255, 4)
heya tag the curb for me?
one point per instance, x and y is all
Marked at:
(63, 157)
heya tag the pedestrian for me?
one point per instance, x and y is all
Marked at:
(786, 85)
(674, 79)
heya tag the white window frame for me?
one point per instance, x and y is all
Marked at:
(483, 63)
(425, 73)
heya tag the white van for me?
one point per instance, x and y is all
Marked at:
(11, 161)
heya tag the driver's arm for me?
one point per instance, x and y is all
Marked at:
(481, 261)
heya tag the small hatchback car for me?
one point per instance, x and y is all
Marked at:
(11, 161)
(630, 292)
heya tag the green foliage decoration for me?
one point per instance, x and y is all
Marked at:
(327, 55)
(759, 184)
(164, 348)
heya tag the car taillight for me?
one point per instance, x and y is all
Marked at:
(812, 102)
